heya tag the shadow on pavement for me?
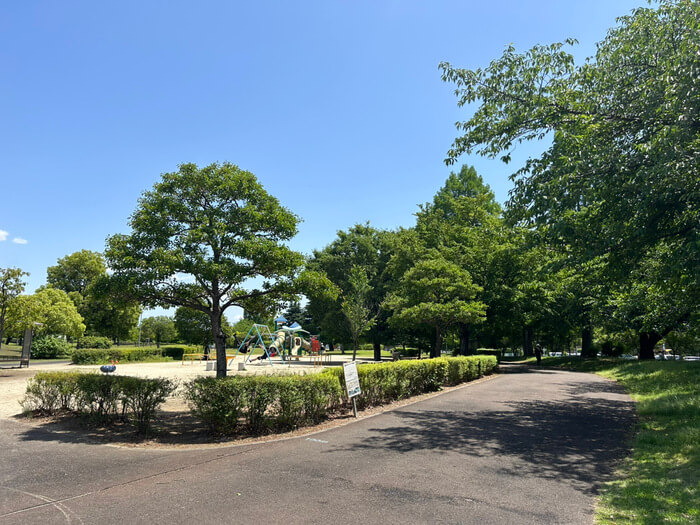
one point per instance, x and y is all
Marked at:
(579, 438)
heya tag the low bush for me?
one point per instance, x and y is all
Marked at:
(92, 341)
(141, 398)
(175, 352)
(409, 352)
(105, 398)
(386, 382)
(49, 347)
(263, 403)
(490, 351)
(51, 391)
(98, 356)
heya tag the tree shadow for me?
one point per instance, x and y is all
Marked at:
(578, 440)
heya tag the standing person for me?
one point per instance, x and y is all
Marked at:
(538, 353)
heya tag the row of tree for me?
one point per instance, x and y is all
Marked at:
(599, 238)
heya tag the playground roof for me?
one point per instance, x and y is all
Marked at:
(293, 328)
(280, 319)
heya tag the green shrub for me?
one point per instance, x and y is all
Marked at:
(141, 398)
(218, 403)
(490, 351)
(99, 396)
(174, 352)
(409, 352)
(96, 356)
(386, 382)
(263, 402)
(51, 391)
(92, 341)
(49, 347)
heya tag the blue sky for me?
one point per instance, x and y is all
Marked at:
(336, 106)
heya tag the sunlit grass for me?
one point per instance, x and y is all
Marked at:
(660, 482)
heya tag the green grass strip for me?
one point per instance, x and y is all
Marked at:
(660, 481)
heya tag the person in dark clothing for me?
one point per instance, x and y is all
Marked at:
(538, 354)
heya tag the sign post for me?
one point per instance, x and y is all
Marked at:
(352, 383)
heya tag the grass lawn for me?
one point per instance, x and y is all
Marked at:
(660, 482)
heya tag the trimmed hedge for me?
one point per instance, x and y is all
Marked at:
(259, 404)
(490, 351)
(263, 403)
(174, 351)
(386, 382)
(91, 341)
(105, 398)
(99, 356)
(102, 356)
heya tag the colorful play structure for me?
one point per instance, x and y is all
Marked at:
(285, 344)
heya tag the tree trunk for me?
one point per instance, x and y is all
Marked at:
(586, 340)
(354, 348)
(437, 348)
(647, 342)
(219, 343)
(377, 351)
(464, 339)
(527, 341)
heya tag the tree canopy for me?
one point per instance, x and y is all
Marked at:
(620, 184)
(11, 285)
(199, 238)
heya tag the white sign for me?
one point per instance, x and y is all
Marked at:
(352, 380)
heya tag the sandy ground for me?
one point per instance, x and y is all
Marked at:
(13, 381)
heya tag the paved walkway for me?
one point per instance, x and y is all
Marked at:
(521, 448)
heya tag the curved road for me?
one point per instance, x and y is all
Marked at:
(520, 448)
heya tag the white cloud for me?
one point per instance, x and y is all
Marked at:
(3, 235)
(19, 240)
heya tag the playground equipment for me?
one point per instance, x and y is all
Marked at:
(285, 343)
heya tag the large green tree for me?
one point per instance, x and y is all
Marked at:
(83, 275)
(364, 247)
(463, 223)
(159, 328)
(49, 311)
(620, 183)
(11, 285)
(438, 293)
(356, 307)
(199, 238)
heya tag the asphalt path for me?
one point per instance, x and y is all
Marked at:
(530, 447)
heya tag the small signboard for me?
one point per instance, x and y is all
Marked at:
(352, 380)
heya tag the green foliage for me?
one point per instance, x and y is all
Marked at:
(51, 391)
(355, 305)
(438, 293)
(197, 240)
(263, 403)
(159, 328)
(11, 285)
(49, 347)
(142, 397)
(618, 187)
(94, 342)
(76, 272)
(98, 356)
(102, 397)
(490, 351)
(51, 307)
(83, 276)
(175, 352)
(383, 383)
(362, 247)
